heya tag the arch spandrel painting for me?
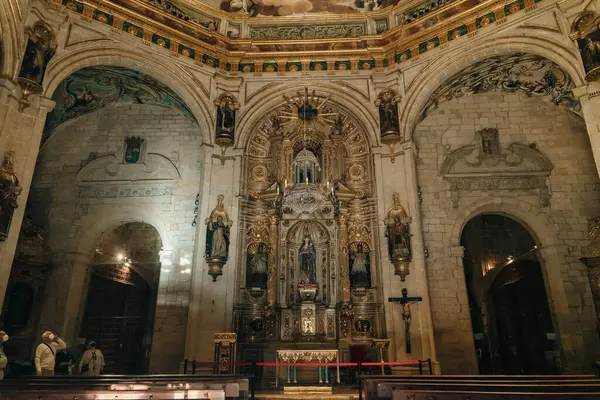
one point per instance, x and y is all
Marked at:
(94, 88)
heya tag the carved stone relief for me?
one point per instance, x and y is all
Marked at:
(482, 166)
(107, 169)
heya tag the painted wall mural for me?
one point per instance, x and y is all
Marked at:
(90, 89)
(524, 73)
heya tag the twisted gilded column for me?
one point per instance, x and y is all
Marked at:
(273, 260)
(344, 261)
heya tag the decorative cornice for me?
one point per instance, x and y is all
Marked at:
(372, 51)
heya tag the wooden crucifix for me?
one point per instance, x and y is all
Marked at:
(405, 302)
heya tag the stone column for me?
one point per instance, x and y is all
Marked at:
(21, 132)
(65, 296)
(211, 303)
(591, 259)
(344, 295)
(589, 97)
(418, 254)
(467, 343)
(273, 260)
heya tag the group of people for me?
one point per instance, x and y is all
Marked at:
(52, 358)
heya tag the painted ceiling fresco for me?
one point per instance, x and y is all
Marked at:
(90, 89)
(518, 73)
(255, 8)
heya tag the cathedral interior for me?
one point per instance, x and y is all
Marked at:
(320, 180)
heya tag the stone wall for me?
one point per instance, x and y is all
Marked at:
(75, 213)
(560, 228)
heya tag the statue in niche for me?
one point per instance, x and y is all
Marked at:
(490, 141)
(360, 266)
(257, 266)
(217, 235)
(588, 40)
(133, 149)
(307, 257)
(397, 230)
(225, 131)
(9, 191)
(389, 124)
(41, 47)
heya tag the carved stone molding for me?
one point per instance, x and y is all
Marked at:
(482, 167)
(156, 169)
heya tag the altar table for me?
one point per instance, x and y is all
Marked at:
(307, 356)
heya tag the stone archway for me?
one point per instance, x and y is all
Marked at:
(84, 56)
(121, 296)
(423, 87)
(512, 326)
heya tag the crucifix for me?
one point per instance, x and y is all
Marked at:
(405, 302)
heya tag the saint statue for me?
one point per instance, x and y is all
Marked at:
(226, 110)
(307, 257)
(257, 266)
(388, 113)
(217, 235)
(397, 230)
(41, 46)
(359, 268)
(9, 191)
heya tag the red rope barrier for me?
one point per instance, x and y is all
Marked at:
(216, 363)
(373, 364)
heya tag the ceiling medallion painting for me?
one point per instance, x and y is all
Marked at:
(517, 73)
(91, 89)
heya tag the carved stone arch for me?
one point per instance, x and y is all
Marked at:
(537, 223)
(96, 225)
(542, 230)
(423, 86)
(181, 83)
(342, 97)
(108, 169)
(11, 37)
(584, 23)
(318, 233)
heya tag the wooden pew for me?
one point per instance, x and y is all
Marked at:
(381, 387)
(472, 395)
(211, 387)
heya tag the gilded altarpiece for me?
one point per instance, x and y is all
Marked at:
(307, 199)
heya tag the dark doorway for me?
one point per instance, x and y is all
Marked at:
(115, 318)
(512, 325)
(121, 298)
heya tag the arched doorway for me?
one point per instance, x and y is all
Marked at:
(121, 299)
(511, 320)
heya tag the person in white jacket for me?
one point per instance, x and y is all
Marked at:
(45, 354)
(92, 361)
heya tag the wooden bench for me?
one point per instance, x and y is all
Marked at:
(382, 387)
(211, 387)
(474, 395)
